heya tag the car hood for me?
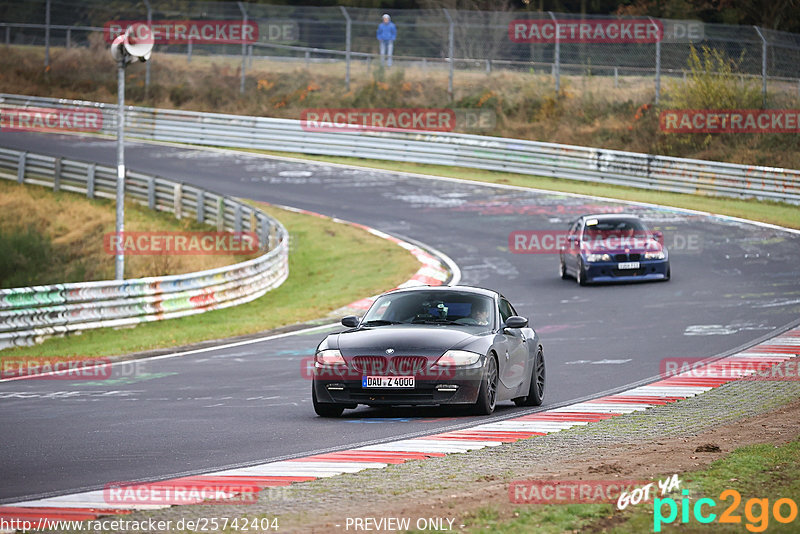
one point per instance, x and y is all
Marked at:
(421, 340)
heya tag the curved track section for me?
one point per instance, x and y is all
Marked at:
(241, 405)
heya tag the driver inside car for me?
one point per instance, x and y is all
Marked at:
(481, 314)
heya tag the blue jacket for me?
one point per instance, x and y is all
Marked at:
(387, 32)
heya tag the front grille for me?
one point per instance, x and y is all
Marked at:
(408, 365)
(373, 365)
(627, 257)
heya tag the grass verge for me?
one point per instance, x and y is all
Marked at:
(764, 211)
(330, 266)
(762, 472)
(51, 238)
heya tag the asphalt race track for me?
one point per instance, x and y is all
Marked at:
(732, 284)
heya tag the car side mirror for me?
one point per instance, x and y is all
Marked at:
(659, 236)
(515, 321)
(351, 321)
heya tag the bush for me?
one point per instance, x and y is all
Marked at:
(24, 252)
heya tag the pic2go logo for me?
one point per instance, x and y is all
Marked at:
(756, 511)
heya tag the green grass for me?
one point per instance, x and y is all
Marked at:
(330, 266)
(756, 471)
(765, 211)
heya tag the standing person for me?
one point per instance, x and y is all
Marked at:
(387, 33)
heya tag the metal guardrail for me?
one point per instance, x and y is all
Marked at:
(659, 173)
(29, 314)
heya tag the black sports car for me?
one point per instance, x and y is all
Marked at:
(431, 346)
(613, 248)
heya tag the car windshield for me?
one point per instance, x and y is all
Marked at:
(603, 228)
(431, 307)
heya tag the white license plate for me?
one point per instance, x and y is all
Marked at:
(628, 265)
(387, 381)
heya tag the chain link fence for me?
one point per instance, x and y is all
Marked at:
(445, 40)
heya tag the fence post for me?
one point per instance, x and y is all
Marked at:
(69, 37)
(47, 35)
(557, 59)
(244, 46)
(347, 44)
(147, 63)
(8, 35)
(308, 58)
(90, 181)
(56, 175)
(616, 76)
(658, 62)
(450, 50)
(763, 67)
(23, 158)
(189, 51)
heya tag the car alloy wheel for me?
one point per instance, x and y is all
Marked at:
(487, 396)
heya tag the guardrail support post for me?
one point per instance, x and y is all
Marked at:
(8, 35)
(220, 214)
(263, 235)
(69, 38)
(90, 181)
(450, 50)
(244, 46)
(151, 193)
(177, 200)
(347, 44)
(557, 57)
(763, 67)
(616, 77)
(56, 175)
(201, 206)
(189, 51)
(237, 221)
(23, 158)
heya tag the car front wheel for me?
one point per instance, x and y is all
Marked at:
(487, 396)
(536, 390)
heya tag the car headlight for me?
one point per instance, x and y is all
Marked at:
(655, 255)
(328, 358)
(598, 257)
(457, 358)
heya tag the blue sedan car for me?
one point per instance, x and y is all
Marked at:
(613, 248)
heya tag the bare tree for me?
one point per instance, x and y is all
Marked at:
(481, 26)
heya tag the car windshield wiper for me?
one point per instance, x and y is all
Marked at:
(380, 322)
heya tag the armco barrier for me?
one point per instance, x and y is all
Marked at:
(28, 314)
(660, 173)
